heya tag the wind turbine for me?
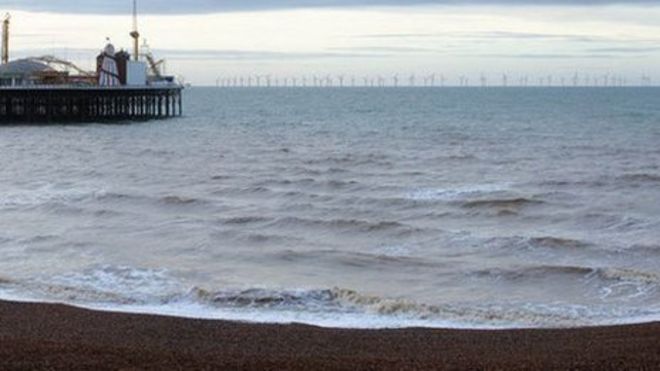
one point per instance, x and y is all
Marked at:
(341, 80)
(411, 80)
(432, 79)
(483, 80)
(505, 80)
(395, 81)
(646, 80)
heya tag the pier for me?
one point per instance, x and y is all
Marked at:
(55, 104)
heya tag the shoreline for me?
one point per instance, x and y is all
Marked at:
(55, 336)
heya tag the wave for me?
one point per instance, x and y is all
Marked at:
(589, 273)
(222, 177)
(178, 200)
(48, 194)
(613, 222)
(558, 243)
(128, 288)
(522, 243)
(347, 225)
(575, 183)
(524, 273)
(628, 275)
(374, 260)
(458, 193)
(500, 203)
(350, 160)
(641, 178)
(334, 184)
(644, 248)
(241, 220)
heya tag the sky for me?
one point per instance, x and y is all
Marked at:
(210, 41)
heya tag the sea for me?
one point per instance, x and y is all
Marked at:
(355, 208)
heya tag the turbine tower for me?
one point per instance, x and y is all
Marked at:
(135, 34)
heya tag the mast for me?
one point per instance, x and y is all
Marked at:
(5, 39)
(135, 34)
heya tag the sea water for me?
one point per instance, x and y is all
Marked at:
(471, 208)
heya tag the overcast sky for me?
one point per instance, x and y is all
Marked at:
(206, 39)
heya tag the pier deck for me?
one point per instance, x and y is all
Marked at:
(57, 104)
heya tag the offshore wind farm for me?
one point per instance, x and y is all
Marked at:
(434, 80)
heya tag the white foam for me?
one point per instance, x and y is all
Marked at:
(148, 291)
(45, 193)
(458, 193)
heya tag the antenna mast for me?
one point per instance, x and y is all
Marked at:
(5, 39)
(135, 34)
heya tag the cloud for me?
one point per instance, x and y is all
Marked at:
(383, 49)
(494, 35)
(626, 50)
(216, 55)
(547, 56)
(262, 55)
(210, 6)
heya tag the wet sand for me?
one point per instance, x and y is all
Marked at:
(56, 337)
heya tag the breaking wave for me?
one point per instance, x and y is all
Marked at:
(48, 194)
(156, 291)
(548, 271)
(458, 193)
